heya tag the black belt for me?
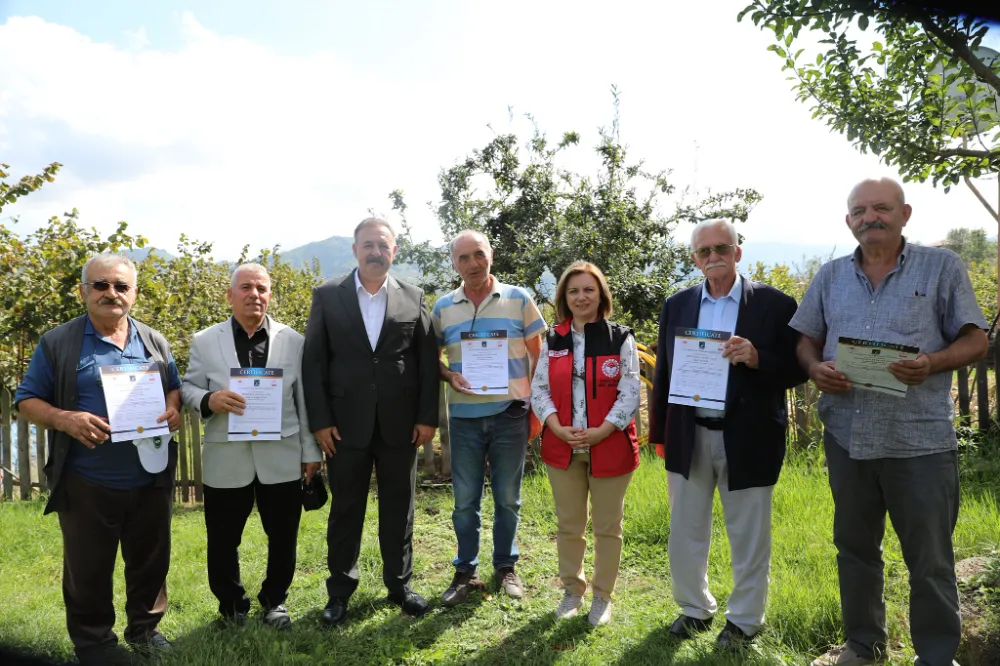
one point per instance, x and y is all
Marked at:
(711, 424)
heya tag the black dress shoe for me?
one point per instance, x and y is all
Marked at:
(732, 637)
(412, 603)
(277, 617)
(686, 626)
(335, 612)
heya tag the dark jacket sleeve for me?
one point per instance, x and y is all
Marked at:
(780, 367)
(428, 370)
(661, 380)
(316, 355)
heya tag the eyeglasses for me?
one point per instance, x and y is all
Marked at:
(722, 249)
(104, 285)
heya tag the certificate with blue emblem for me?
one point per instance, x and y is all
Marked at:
(261, 418)
(699, 374)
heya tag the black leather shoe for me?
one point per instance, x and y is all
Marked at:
(235, 619)
(277, 617)
(732, 637)
(412, 603)
(335, 612)
(686, 627)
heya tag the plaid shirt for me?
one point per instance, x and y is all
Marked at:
(923, 302)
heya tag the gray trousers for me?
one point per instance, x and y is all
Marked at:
(921, 496)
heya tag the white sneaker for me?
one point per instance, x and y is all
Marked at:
(842, 656)
(569, 606)
(600, 611)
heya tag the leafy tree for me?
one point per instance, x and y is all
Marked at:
(9, 193)
(972, 246)
(891, 97)
(540, 217)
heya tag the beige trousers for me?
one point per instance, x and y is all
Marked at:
(570, 490)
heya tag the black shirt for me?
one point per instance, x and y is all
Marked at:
(251, 352)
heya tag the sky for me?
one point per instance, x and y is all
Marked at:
(263, 123)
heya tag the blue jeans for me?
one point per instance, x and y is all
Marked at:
(503, 440)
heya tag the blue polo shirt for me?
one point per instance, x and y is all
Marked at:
(110, 464)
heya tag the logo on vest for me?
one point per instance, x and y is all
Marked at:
(558, 353)
(610, 368)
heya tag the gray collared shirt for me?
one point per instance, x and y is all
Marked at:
(923, 302)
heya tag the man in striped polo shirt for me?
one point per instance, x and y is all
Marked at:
(486, 423)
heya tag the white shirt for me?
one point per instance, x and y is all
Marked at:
(719, 314)
(372, 308)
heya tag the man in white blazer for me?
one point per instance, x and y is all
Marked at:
(238, 473)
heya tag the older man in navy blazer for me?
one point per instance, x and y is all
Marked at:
(738, 449)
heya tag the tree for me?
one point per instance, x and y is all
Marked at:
(972, 246)
(540, 218)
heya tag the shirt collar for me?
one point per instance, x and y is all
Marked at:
(239, 327)
(734, 292)
(494, 291)
(856, 257)
(133, 332)
(360, 287)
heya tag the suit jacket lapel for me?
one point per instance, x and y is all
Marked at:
(349, 299)
(227, 345)
(391, 303)
(276, 343)
(745, 298)
(692, 310)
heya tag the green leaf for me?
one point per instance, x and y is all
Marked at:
(863, 22)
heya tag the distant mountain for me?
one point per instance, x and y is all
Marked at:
(790, 254)
(336, 258)
(140, 254)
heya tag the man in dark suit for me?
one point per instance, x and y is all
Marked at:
(370, 373)
(738, 448)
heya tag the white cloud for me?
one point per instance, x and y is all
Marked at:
(226, 140)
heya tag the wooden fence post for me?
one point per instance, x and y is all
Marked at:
(983, 394)
(195, 441)
(964, 406)
(5, 449)
(182, 456)
(24, 456)
(445, 432)
(41, 437)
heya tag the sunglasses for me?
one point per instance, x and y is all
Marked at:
(722, 249)
(104, 285)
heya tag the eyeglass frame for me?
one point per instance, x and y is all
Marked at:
(116, 285)
(721, 249)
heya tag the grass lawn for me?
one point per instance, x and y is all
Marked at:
(803, 611)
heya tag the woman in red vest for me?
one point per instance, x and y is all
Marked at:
(586, 392)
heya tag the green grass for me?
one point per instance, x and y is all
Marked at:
(803, 609)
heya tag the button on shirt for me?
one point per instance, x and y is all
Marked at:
(719, 314)
(372, 308)
(923, 302)
(109, 464)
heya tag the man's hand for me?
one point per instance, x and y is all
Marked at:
(310, 468)
(459, 383)
(740, 350)
(325, 438)
(911, 372)
(172, 417)
(89, 429)
(827, 378)
(421, 435)
(224, 401)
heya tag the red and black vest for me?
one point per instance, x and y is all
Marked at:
(619, 453)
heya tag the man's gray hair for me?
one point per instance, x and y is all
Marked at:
(373, 222)
(705, 224)
(112, 258)
(253, 267)
(479, 235)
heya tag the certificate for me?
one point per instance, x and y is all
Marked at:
(134, 396)
(865, 362)
(261, 418)
(699, 374)
(484, 361)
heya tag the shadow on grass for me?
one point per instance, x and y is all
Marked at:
(543, 640)
(10, 656)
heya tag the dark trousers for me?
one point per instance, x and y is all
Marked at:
(350, 473)
(226, 513)
(94, 522)
(921, 497)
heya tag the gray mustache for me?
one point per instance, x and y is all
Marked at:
(871, 225)
(112, 301)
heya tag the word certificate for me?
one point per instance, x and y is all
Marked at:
(699, 374)
(261, 418)
(484, 362)
(865, 362)
(134, 395)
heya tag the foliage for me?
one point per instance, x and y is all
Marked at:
(891, 95)
(971, 245)
(541, 217)
(9, 193)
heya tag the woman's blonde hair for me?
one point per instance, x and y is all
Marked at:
(577, 267)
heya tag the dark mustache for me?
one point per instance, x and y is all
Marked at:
(374, 260)
(871, 225)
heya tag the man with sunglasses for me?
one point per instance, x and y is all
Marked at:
(101, 490)
(238, 474)
(738, 449)
(894, 454)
